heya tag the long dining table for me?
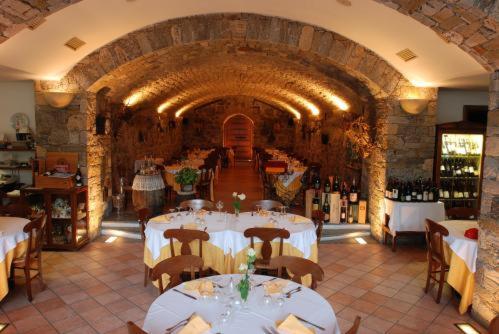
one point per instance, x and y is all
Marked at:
(13, 244)
(226, 248)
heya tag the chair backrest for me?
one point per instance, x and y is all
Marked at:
(355, 326)
(267, 204)
(434, 240)
(206, 173)
(134, 329)
(185, 237)
(299, 267)
(267, 235)
(387, 219)
(18, 209)
(197, 204)
(494, 325)
(35, 230)
(143, 216)
(462, 213)
(318, 220)
(174, 267)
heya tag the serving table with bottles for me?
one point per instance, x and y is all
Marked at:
(408, 218)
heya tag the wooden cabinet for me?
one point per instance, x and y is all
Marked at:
(16, 162)
(67, 215)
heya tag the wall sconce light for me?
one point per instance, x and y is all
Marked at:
(58, 99)
(413, 106)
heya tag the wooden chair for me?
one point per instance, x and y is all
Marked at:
(355, 326)
(143, 216)
(436, 259)
(267, 235)
(462, 213)
(204, 184)
(32, 259)
(174, 267)
(134, 329)
(494, 326)
(18, 209)
(267, 204)
(387, 232)
(185, 237)
(298, 267)
(197, 204)
(318, 220)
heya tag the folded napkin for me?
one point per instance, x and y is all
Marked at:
(191, 226)
(196, 325)
(274, 287)
(203, 287)
(298, 219)
(269, 225)
(291, 325)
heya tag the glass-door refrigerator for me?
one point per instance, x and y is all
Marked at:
(458, 163)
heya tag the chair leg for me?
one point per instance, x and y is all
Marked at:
(440, 284)
(146, 274)
(12, 278)
(428, 277)
(385, 238)
(394, 243)
(40, 275)
(27, 274)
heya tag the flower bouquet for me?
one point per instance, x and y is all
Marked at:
(237, 202)
(246, 268)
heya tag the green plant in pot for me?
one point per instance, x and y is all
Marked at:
(186, 177)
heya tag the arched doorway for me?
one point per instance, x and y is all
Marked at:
(238, 134)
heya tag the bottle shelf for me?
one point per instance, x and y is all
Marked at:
(459, 199)
(460, 177)
(471, 156)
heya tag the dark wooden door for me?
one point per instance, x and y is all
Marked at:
(238, 134)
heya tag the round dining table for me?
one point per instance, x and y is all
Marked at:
(13, 244)
(226, 248)
(259, 315)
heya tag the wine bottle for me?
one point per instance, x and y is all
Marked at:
(354, 195)
(426, 191)
(446, 190)
(344, 192)
(78, 177)
(317, 182)
(315, 201)
(343, 210)
(466, 192)
(336, 185)
(419, 190)
(432, 191)
(350, 214)
(327, 186)
(326, 209)
(408, 192)
(395, 190)
(414, 192)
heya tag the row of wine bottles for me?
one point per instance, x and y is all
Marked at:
(459, 189)
(412, 191)
(459, 167)
(332, 185)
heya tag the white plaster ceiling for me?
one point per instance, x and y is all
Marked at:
(40, 54)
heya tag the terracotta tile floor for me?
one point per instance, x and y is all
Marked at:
(99, 288)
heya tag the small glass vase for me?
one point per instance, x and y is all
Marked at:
(236, 212)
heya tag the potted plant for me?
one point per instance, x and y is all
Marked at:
(186, 177)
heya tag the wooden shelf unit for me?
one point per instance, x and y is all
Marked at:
(66, 233)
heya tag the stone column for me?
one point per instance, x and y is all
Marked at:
(486, 294)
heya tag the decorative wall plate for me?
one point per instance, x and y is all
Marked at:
(19, 121)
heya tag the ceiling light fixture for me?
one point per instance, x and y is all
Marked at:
(133, 98)
(312, 107)
(406, 55)
(36, 22)
(339, 102)
(163, 106)
(182, 110)
(413, 106)
(58, 100)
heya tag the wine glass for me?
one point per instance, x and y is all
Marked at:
(178, 211)
(219, 205)
(258, 209)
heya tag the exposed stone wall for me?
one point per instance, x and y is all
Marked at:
(140, 134)
(272, 127)
(486, 294)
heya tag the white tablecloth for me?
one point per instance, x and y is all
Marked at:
(11, 229)
(172, 307)
(465, 248)
(410, 216)
(288, 179)
(228, 235)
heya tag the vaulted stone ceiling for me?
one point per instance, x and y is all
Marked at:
(185, 77)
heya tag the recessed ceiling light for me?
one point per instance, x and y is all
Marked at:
(347, 3)
(74, 43)
(406, 54)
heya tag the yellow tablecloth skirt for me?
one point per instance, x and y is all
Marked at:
(288, 193)
(460, 278)
(224, 263)
(5, 273)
